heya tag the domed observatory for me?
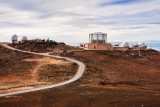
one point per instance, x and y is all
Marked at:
(97, 41)
(139, 46)
(24, 39)
(123, 47)
(124, 44)
(14, 38)
(142, 46)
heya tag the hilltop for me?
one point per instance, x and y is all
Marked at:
(43, 46)
(113, 78)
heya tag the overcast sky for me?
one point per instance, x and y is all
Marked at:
(73, 20)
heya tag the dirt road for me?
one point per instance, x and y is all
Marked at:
(78, 75)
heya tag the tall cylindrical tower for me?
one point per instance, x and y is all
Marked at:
(98, 38)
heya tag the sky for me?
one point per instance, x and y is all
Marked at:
(72, 20)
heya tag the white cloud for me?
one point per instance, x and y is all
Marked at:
(76, 18)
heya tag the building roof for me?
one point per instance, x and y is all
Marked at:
(99, 33)
(124, 44)
(14, 37)
(24, 38)
(141, 44)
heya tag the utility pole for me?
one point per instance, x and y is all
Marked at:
(139, 54)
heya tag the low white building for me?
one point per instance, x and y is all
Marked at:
(124, 46)
(139, 46)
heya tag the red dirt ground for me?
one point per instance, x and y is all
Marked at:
(111, 79)
(20, 71)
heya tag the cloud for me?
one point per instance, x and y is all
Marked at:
(119, 2)
(77, 18)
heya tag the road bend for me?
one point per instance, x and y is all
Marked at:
(78, 75)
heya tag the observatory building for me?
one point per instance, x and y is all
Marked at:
(122, 47)
(14, 38)
(97, 41)
(139, 46)
(24, 39)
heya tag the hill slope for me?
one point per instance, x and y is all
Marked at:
(112, 79)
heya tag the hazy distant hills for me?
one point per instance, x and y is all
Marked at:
(158, 41)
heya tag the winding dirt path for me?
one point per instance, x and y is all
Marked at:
(80, 71)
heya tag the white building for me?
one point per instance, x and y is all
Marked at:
(97, 41)
(24, 38)
(14, 38)
(139, 46)
(124, 46)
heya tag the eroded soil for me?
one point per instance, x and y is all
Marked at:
(21, 71)
(111, 79)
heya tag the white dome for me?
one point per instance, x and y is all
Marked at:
(116, 44)
(125, 44)
(24, 38)
(141, 44)
(14, 37)
(136, 44)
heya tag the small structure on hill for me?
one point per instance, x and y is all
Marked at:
(14, 38)
(40, 40)
(24, 39)
(139, 46)
(123, 47)
(97, 41)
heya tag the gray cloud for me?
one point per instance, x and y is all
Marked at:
(77, 17)
(119, 2)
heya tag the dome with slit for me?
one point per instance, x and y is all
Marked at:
(141, 44)
(14, 37)
(135, 44)
(24, 38)
(125, 44)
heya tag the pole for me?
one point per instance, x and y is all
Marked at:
(139, 54)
